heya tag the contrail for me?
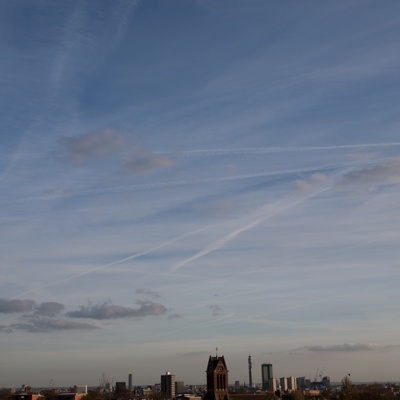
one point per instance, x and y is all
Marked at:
(232, 235)
(264, 150)
(120, 261)
(158, 185)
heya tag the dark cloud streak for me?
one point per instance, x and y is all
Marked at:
(147, 292)
(347, 347)
(110, 311)
(47, 325)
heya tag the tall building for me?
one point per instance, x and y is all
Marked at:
(283, 383)
(273, 384)
(250, 372)
(130, 386)
(326, 381)
(217, 379)
(266, 375)
(291, 383)
(168, 385)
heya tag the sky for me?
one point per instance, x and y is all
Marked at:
(181, 176)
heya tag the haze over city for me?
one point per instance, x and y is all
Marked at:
(183, 175)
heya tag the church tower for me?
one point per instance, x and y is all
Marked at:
(217, 379)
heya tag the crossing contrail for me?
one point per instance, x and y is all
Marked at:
(120, 261)
(271, 211)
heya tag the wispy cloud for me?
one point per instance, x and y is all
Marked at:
(110, 311)
(80, 40)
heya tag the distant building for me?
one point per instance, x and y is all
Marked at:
(291, 383)
(70, 396)
(179, 387)
(188, 397)
(80, 389)
(130, 385)
(120, 387)
(217, 379)
(283, 384)
(27, 396)
(326, 381)
(273, 385)
(303, 382)
(266, 375)
(168, 385)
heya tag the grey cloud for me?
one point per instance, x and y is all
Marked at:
(174, 316)
(82, 148)
(5, 329)
(15, 306)
(314, 179)
(216, 309)
(220, 209)
(361, 156)
(47, 325)
(49, 309)
(386, 172)
(144, 162)
(345, 347)
(110, 311)
(193, 353)
(147, 292)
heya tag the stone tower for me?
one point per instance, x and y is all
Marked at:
(217, 379)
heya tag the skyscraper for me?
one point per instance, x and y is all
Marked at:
(168, 385)
(266, 375)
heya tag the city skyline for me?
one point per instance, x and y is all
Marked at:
(183, 175)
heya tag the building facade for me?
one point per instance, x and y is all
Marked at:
(168, 386)
(266, 375)
(273, 384)
(283, 384)
(291, 383)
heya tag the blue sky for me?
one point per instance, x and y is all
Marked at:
(183, 175)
